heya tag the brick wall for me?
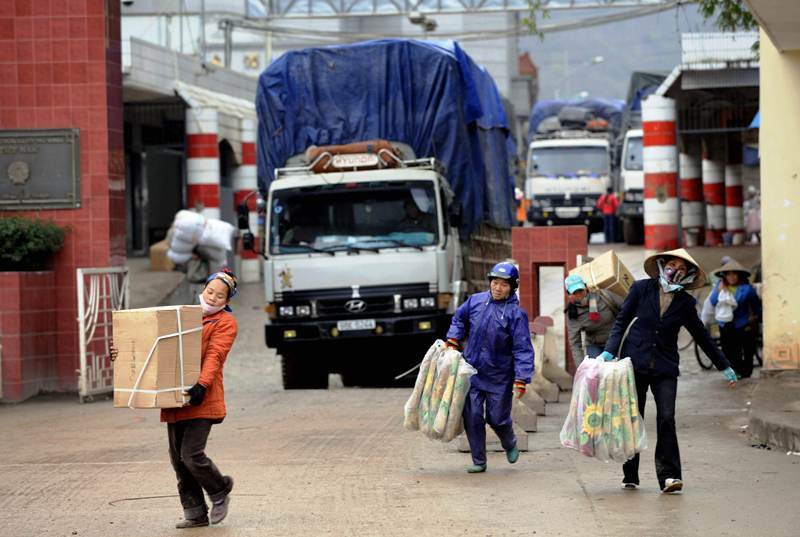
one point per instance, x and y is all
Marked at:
(28, 334)
(60, 68)
(534, 247)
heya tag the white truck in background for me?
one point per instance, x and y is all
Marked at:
(631, 187)
(568, 171)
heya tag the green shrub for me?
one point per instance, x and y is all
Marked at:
(27, 244)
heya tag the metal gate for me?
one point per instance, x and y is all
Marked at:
(100, 292)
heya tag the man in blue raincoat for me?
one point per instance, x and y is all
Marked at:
(495, 330)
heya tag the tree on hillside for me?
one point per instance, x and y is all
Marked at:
(731, 15)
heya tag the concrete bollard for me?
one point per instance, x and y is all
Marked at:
(534, 401)
(546, 389)
(524, 417)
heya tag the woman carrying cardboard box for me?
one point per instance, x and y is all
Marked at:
(188, 427)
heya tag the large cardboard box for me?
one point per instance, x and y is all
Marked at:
(147, 371)
(158, 257)
(606, 273)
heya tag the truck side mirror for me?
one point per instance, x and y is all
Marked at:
(248, 241)
(243, 217)
(454, 214)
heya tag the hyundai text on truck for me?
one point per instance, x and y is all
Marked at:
(388, 196)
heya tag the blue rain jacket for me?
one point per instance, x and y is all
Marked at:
(498, 340)
(747, 303)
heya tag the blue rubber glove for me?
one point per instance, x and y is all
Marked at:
(607, 356)
(730, 374)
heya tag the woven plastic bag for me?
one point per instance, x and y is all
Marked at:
(437, 400)
(411, 421)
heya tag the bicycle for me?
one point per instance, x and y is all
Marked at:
(705, 361)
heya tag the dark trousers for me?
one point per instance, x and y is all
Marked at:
(739, 347)
(195, 471)
(483, 407)
(610, 228)
(668, 457)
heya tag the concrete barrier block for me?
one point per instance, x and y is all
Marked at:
(524, 417)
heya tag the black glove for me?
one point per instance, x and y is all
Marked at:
(196, 394)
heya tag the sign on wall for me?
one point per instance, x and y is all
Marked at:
(40, 169)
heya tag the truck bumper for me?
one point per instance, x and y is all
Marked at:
(300, 333)
(549, 217)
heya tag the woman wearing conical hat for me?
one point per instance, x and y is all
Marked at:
(737, 309)
(653, 313)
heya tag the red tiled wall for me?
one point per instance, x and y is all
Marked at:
(534, 247)
(28, 334)
(60, 68)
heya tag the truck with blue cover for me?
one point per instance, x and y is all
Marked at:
(385, 170)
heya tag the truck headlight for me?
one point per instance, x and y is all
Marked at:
(427, 302)
(303, 311)
(286, 311)
(410, 303)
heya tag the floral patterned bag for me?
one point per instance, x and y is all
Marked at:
(603, 420)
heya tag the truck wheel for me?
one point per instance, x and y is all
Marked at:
(633, 232)
(299, 374)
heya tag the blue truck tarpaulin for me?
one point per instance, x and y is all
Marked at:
(428, 95)
(608, 109)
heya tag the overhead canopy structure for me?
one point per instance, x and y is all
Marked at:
(323, 8)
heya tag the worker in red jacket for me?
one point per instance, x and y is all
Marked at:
(608, 205)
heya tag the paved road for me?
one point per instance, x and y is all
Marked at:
(338, 462)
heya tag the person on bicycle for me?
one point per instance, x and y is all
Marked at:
(588, 315)
(737, 310)
(494, 329)
(652, 314)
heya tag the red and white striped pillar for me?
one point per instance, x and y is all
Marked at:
(714, 195)
(660, 173)
(202, 161)
(245, 182)
(734, 203)
(693, 210)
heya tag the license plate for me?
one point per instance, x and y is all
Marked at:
(568, 212)
(357, 324)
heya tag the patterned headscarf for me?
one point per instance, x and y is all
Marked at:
(228, 279)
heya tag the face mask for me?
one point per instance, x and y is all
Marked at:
(670, 274)
(209, 309)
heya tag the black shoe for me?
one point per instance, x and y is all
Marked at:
(193, 523)
(219, 509)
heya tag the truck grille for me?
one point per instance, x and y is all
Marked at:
(352, 306)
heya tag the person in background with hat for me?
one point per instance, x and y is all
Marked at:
(587, 314)
(188, 427)
(737, 310)
(651, 315)
(493, 328)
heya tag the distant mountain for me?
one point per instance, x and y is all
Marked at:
(644, 44)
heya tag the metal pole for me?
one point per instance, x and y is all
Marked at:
(180, 20)
(228, 31)
(203, 30)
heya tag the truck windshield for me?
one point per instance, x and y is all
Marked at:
(571, 161)
(633, 155)
(354, 217)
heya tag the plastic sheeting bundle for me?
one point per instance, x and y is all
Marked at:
(190, 230)
(603, 419)
(437, 401)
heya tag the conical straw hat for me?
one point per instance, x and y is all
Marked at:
(731, 266)
(651, 268)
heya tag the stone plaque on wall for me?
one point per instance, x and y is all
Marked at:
(40, 169)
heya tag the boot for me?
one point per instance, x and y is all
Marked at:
(193, 523)
(476, 469)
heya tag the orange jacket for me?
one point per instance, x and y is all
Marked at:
(219, 332)
(608, 204)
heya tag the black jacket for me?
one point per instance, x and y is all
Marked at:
(652, 343)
